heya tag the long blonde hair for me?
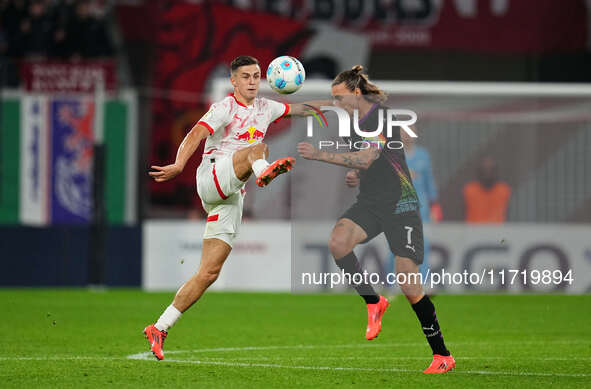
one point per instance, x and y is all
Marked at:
(355, 79)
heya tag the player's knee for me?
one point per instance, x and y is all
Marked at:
(209, 276)
(339, 245)
(404, 287)
(410, 285)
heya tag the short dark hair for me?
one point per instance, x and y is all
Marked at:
(243, 60)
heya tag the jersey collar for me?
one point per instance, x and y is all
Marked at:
(238, 102)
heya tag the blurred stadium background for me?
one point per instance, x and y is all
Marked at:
(94, 92)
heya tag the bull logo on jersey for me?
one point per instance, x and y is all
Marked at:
(251, 135)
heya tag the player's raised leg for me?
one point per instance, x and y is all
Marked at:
(254, 159)
(425, 311)
(344, 237)
(250, 159)
(214, 254)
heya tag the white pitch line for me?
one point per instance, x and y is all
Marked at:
(231, 362)
(58, 358)
(148, 356)
(392, 370)
(266, 348)
(461, 358)
(358, 345)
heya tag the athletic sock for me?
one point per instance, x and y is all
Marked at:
(259, 166)
(168, 318)
(425, 311)
(350, 265)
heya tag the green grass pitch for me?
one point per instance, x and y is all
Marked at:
(83, 339)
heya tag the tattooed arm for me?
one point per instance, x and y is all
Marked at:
(355, 160)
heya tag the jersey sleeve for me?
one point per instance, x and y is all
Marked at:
(277, 110)
(217, 117)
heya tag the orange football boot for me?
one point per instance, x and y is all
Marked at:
(156, 339)
(278, 167)
(374, 317)
(441, 364)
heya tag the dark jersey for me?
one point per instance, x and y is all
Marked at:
(386, 184)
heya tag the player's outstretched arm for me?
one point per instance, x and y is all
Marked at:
(307, 108)
(184, 153)
(355, 160)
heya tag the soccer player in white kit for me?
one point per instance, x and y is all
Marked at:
(234, 129)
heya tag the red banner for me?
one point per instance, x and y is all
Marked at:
(495, 26)
(82, 76)
(503, 26)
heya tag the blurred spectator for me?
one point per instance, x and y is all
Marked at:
(3, 45)
(13, 12)
(35, 29)
(62, 41)
(54, 28)
(89, 32)
(486, 199)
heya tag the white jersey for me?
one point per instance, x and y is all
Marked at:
(233, 125)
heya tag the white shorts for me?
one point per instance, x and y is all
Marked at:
(222, 196)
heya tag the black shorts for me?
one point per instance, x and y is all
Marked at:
(404, 232)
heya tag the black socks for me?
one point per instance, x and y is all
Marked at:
(426, 313)
(424, 308)
(350, 265)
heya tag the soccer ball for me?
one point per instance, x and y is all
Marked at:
(286, 74)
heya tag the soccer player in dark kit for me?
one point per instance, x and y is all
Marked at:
(387, 202)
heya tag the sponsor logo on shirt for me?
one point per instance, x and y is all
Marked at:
(251, 135)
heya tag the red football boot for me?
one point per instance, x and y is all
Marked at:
(278, 167)
(156, 339)
(374, 317)
(441, 364)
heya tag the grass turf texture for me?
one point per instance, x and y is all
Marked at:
(79, 338)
